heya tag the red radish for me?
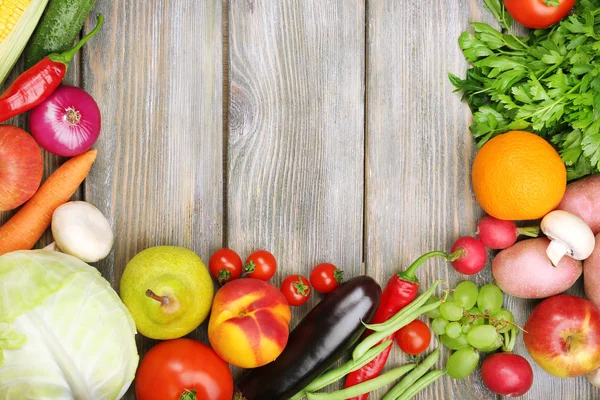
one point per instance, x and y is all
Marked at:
(67, 123)
(499, 234)
(507, 374)
(468, 255)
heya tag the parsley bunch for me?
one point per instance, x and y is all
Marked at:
(547, 83)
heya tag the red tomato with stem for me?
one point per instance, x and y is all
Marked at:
(260, 265)
(326, 277)
(538, 14)
(225, 265)
(414, 338)
(174, 369)
(296, 289)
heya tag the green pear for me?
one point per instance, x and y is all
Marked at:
(168, 291)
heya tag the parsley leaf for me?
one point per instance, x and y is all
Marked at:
(547, 83)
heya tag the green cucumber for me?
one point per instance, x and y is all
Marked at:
(59, 27)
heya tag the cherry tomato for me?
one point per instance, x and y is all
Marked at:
(175, 366)
(296, 289)
(414, 338)
(261, 265)
(326, 277)
(538, 14)
(225, 265)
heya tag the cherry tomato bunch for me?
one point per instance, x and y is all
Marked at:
(226, 265)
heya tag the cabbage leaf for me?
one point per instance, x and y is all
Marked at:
(64, 332)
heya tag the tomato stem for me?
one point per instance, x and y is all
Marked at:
(300, 287)
(188, 395)
(249, 268)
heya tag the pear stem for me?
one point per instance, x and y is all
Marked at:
(164, 300)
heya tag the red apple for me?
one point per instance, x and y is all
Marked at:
(563, 336)
(21, 167)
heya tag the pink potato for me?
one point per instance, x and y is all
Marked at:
(582, 198)
(524, 270)
(591, 275)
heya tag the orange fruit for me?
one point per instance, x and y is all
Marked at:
(518, 176)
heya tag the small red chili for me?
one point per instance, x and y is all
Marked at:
(399, 292)
(33, 86)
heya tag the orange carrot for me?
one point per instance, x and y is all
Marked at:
(28, 225)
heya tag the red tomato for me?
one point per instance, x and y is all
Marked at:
(537, 14)
(414, 338)
(225, 265)
(326, 277)
(174, 366)
(296, 289)
(261, 265)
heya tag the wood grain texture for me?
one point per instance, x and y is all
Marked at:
(419, 151)
(156, 71)
(295, 150)
(51, 161)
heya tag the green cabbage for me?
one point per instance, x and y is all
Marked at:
(64, 332)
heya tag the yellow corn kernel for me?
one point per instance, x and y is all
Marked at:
(10, 12)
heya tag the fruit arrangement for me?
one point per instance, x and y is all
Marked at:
(55, 300)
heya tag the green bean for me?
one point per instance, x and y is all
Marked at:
(421, 384)
(336, 374)
(378, 336)
(418, 372)
(364, 387)
(413, 306)
(389, 323)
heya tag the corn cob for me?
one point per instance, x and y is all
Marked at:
(18, 19)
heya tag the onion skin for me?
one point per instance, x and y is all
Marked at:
(67, 123)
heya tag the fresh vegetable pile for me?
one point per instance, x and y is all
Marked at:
(529, 97)
(547, 83)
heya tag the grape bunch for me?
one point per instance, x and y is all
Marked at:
(472, 321)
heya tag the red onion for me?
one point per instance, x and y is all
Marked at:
(67, 123)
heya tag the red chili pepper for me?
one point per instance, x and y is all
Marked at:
(399, 292)
(33, 86)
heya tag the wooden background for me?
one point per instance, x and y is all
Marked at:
(322, 130)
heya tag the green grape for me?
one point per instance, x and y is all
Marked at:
(466, 328)
(455, 344)
(465, 294)
(453, 330)
(490, 299)
(462, 363)
(435, 312)
(438, 325)
(482, 336)
(451, 311)
(472, 319)
(502, 319)
(494, 346)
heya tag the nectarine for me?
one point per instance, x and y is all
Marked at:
(249, 323)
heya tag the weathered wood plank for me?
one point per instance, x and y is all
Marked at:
(419, 150)
(295, 149)
(156, 71)
(51, 161)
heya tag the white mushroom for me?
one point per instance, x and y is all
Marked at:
(81, 230)
(569, 236)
